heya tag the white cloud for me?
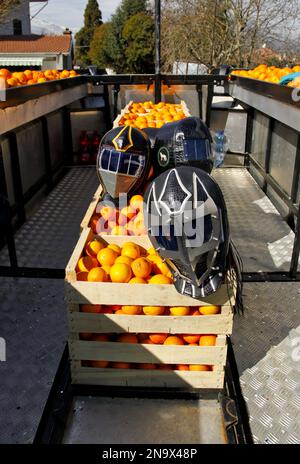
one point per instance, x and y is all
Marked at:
(70, 13)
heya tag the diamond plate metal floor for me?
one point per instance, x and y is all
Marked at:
(47, 239)
(264, 240)
(33, 324)
(266, 342)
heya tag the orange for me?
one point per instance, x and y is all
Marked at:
(41, 80)
(207, 340)
(160, 279)
(182, 367)
(122, 220)
(191, 339)
(12, 82)
(92, 248)
(153, 310)
(28, 74)
(100, 364)
(121, 365)
(165, 367)
(82, 276)
(107, 269)
(141, 267)
(127, 338)
(209, 310)
(131, 251)
(147, 366)
(97, 274)
(132, 310)
(107, 256)
(5, 73)
(136, 202)
(115, 247)
(128, 212)
(152, 251)
(86, 263)
(100, 338)
(118, 230)
(199, 367)
(120, 273)
(173, 340)
(93, 223)
(162, 267)
(115, 307)
(124, 260)
(107, 212)
(88, 308)
(137, 280)
(147, 342)
(119, 311)
(158, 339)
(180, 311)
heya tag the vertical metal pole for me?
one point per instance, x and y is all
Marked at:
(47, 154)
(248, 138)
(268, 152)
(5, 217)
(210, 95)
(67, 136)
(116, 90)
(296, 249)
(157, 52)
(17, 179)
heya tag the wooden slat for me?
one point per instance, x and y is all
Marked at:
(140, 378)
(85, 236)
(91, 209)
(128, 294)
(114, 323)
(136, 353)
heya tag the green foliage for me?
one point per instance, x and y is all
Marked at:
(97, 53)
(92, 20)
(138, 34)
(117, 44)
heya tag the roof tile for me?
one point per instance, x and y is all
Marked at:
(35, 44)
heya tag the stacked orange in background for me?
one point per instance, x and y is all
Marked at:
(148, 114)
(29, 77)
(267, 73)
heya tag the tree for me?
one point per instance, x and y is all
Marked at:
(218, 32)
(92, 20)
(138, 34)
(6, 6)
(115, 43)
(97, 52)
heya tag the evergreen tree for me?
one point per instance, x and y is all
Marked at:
(92, 20)
(97, 53)
(115, 42)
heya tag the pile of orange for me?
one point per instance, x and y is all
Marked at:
(29, 77)
(108, 220)
(151, 310)
(148, 114)
(267, 73)
(151, 339)
(127, 264)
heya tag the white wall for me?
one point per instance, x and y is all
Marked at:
(20, 12)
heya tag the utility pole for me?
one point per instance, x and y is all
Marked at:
(157, 51)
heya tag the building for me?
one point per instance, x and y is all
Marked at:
(19, 48)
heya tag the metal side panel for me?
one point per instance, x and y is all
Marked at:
(98, 420)
(262, 237)
(33, 323)
(266, 342)
(47, 238)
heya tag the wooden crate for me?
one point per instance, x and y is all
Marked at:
(78, 293)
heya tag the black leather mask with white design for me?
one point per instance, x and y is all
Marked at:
(187, 223)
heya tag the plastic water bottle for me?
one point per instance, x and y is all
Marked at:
(220, 148)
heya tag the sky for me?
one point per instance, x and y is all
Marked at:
(69, 13)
